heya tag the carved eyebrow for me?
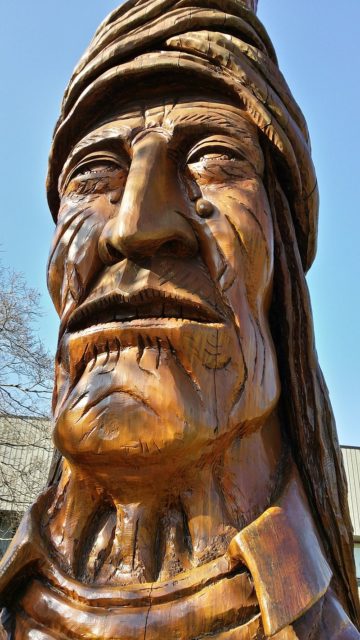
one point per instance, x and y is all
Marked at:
(228, 120)
(179, 124)
(189, 127)
(107, 140)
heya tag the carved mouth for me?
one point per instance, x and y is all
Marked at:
(147, 304)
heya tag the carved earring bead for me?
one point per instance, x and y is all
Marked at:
(204, 208)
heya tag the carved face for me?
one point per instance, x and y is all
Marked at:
(165, 351)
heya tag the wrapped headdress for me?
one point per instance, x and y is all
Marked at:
(222, 42)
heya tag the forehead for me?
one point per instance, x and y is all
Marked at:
(177, 118)
(173, 114)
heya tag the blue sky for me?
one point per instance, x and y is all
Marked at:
(318, 52)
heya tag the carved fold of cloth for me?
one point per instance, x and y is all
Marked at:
(272, 583)
(210, 42)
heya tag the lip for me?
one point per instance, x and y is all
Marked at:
(78, 348)
(149, 305)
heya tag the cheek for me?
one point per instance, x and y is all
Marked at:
(243, 231)
(242, 228)
(74, 257)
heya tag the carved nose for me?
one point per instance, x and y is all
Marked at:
(151, 217)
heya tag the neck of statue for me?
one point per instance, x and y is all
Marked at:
(103, 535)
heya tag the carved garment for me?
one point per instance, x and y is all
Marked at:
(273, 582)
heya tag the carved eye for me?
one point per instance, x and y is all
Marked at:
(95, 166)
(215, 150)
(219, 160)
(95, 174)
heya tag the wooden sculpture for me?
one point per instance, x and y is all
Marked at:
(201, 492)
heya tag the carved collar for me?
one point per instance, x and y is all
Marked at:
(280, 549)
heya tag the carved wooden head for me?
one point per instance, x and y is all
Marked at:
(162, 263)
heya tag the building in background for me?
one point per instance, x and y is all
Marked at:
(352, 468)
(25, 457)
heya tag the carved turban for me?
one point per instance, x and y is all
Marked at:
(222, 42)
(145, 37)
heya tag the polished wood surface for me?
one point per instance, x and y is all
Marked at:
(199, 488)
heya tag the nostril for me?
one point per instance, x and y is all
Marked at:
(111, 255)
(113, 252)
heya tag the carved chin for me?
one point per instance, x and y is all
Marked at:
(156, 398)
(121, 426)
(140, 408)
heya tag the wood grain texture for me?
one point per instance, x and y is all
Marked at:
(200, 490)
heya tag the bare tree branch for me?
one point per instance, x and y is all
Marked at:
(26, 371)
(26, 380)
